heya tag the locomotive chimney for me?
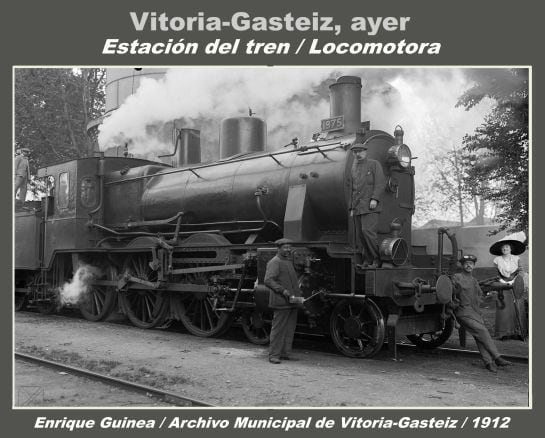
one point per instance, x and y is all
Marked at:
(345, 100)
(189, 149)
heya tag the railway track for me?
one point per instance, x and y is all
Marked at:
(464, 352)
(166, 396)
(318, 343)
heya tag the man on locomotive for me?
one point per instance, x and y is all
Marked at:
(466, 304)
(22, 173)
(368, 183)
(280, 276)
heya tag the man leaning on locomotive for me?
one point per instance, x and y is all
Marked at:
(466, 304)
(368, 184)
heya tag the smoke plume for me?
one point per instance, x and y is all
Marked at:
(75, 290)
(293, 101)
(286, 98)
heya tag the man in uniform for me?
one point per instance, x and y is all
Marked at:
(22, 173)
(466, 303)
(281, 278)
(368, 184)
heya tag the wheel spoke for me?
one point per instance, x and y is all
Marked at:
(142, 303)
(365, 335)
(360, 344)
(150, 313)
(96, 303)
(101, 297)
(208, 313)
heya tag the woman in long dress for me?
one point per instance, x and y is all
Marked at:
(508, 324)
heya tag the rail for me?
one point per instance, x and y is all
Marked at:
(167, 396)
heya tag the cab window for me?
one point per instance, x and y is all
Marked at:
(63, 191)
(88, 192)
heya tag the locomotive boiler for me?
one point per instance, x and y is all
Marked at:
(190, 242)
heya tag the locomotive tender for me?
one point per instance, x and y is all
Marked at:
(190, 242)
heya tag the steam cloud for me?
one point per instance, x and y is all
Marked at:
(203, 97)
(293, 101)
(74, 291)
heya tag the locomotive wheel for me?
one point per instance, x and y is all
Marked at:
(429, 341)
(99, 300)
(145, 308)
(257, 327)
(199, 317)
(357, 328)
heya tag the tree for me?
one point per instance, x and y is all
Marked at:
(497, 153)
(52, 109)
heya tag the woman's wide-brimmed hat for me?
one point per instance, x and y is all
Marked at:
(516, 241)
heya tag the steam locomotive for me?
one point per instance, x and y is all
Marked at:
(190, 241)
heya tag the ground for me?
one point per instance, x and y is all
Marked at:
(232, 372)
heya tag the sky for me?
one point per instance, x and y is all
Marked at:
(292, 101)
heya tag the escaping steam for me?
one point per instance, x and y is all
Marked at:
(74, 291)
(287, 99)
(292, 101)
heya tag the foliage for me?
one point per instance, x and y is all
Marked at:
(52, 109)
(497, 153)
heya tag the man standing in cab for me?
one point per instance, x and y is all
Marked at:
(281, 278)
(368, 184)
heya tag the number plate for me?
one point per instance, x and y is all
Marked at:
(333, 124)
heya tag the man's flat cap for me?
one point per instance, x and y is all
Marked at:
(358, 147)
(468, 258)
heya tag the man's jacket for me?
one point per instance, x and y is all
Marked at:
(21, 167)
(368, 183)
(279, 276)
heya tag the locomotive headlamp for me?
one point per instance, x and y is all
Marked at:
(400, 155)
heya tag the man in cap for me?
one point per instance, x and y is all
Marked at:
(281, 278)
(368, 184)
(466, 303)
(22, 173)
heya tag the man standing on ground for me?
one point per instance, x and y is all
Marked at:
(22, 173)
(466, 303)
(368, 184)
(281, 278)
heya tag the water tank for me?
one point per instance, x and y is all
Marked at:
(122, 82)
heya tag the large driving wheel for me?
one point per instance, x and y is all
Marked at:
(435, 339)
(145, 308)
(199, 317)
(99, 300)
(357, 328)
(257, 327)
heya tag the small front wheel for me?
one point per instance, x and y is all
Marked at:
(357, 328)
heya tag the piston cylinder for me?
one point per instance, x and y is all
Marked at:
(242, 135)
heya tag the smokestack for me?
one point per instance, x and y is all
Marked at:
(189, 149)
(345, 100)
